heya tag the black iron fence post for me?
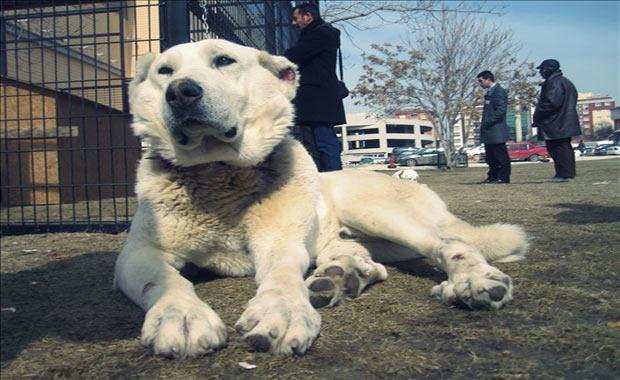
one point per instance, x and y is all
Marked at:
(174, 23)
(270, 27)
(2, 47)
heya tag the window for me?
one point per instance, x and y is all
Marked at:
(393, 143)
(363, 144)
(369, 131)
(426, 130)
(399, 128)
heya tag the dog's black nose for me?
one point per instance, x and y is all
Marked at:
(182, 93)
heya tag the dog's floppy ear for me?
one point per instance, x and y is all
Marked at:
(142, 69)
(283, 69)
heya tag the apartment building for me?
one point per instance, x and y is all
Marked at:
(366, 135)
(594, 112)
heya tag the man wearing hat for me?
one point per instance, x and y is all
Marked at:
(556, 119)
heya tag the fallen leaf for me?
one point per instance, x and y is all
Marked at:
(247, 365)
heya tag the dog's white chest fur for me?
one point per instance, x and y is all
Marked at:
(204, 211)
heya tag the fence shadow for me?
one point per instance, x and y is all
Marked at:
(70, 298)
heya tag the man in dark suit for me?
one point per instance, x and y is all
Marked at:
(318, 107)
(494, 130)
(556, 119)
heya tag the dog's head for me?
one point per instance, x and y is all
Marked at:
(212, 101)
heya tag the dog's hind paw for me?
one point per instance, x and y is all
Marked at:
(182, 328)
(274, 321)
(482, 287)
(343, 278)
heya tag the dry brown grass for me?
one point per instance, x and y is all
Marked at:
(68, 322)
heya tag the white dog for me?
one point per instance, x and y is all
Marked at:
(407, 174)
(223, 186)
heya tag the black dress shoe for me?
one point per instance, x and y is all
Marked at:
(488, 180)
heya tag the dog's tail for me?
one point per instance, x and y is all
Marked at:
(498, 242)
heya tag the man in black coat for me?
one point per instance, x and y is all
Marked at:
(318, 107)
(494, 130)
(556, 119)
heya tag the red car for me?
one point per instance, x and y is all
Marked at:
(523, 151)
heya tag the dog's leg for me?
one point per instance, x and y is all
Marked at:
(280, 317)
(471, 280)
(177, 323)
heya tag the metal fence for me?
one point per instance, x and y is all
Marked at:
(67, 154)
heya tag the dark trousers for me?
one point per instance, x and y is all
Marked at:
(322, 144)
(498, 160)
(563, 157)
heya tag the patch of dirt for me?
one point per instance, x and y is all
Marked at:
(61, 318)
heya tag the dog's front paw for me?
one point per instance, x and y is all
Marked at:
(274, 321)
(482, 287)
(179, 327)
(343, 278)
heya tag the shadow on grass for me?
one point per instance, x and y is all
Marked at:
(71, 298)
(419, 268)
(587, 213)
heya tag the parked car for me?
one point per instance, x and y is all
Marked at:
(474, 153)
(613, 150)
(601, 150)
(523, 151)
(425, 156)
(368, 158)
(404, 150)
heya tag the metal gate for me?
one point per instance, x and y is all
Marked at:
(67, 155)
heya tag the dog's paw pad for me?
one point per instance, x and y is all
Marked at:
(259, 343)
(483, 287)
(344, 277)
(496, 293)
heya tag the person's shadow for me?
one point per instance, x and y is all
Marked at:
(587, 213)
(71, 298)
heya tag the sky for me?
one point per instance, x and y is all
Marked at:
(584, 36)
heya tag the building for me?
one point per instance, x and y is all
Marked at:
(594, 112)
(615, 116)
(366, 135)
(64, 70)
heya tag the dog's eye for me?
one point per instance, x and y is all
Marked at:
(223, 61)
(165, 70)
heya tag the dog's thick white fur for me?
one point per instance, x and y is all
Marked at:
(224, 187)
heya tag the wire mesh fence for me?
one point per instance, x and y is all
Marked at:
(67, 154)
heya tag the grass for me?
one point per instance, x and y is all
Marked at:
(68, 322)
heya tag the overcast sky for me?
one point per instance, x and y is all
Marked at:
(583, 35)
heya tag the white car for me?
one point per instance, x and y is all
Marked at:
(474, 153)
(613, 150)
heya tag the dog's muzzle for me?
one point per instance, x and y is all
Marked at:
(184, 97)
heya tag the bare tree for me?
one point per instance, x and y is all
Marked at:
(351, 16)
(435, 70)
(603, 130)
